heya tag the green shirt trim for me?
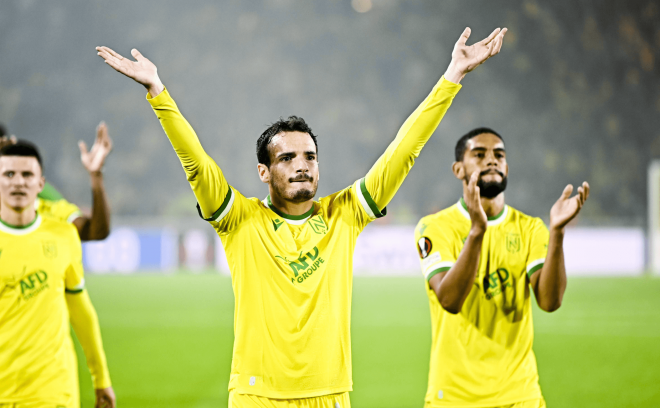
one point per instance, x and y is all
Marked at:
(493, 218)
(287, 216)
(370, 201)
(534, 269)
(228, 200)
(437, 271)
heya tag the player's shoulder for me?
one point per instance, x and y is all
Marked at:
(522, 218)
(57, 226)
(449, 217)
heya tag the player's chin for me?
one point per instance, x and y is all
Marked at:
(302, 194)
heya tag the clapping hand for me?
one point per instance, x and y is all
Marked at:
(567, 207)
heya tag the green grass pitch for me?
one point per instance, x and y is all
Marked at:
(169, 341)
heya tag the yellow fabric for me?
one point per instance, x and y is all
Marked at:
(292, 284)
(237, 400)
(37, 404)
(60, 209)
(37, 264)
(535, 403)
(85, 323)
(482, 356)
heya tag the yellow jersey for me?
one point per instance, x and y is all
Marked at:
(38, 263)
(483, 355)
(292, 275)
(51, 203)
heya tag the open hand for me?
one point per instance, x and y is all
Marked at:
(105, 398)
(567, 207)
(465, 57)
(93, 160)
(472, 197)
(141, 70)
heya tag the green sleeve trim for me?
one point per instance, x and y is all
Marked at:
(73, 291)
(534, 269)
(437, 271)
(370, 201)
(225, 203)
(50, 193)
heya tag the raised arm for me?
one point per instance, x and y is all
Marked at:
(204, 175)
(453, 286)
(86, 325)
(549, 282)
(387, 175)
(96, 226)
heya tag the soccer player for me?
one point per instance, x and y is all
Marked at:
(50, 201)
(41, 290)
(290, 256)
(480, 257)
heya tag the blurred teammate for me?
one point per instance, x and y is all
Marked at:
(41, 290)
(291, 256)
(479, 257)
(51, 202)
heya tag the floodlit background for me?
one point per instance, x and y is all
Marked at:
(575, 93)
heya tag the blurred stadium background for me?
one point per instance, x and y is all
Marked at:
(575, 94)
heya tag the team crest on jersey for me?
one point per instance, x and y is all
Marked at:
(318, 225)
(513, 242)
(424, 247)
(50, 249)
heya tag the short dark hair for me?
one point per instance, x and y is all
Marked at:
(3, 130)
(21, 148)
(291, 124)
(461, 145)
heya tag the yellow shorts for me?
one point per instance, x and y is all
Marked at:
(252, 401)
(33, 405)
(535, 403)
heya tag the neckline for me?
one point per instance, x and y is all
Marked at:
(494, 220)
(21, 229)
(291, 219)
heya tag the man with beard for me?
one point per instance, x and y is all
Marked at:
(479, 257)
(290, 256)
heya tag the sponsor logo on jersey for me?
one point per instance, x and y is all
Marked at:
(513, 242)
(277, 223)
(496, 283)
(318, 225)
(305, 265)
(50, 249)
(33, 284)
(424, 247)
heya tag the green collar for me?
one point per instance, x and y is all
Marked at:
(287, 216)
(493, 218)
(21, 229)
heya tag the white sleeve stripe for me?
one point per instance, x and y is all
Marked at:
(227, 208)
(73, 216)
(437, 265)
(363, 200)
(79, 286)
(534, 264)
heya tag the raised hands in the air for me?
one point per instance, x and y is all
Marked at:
(141, 70)
(465, 57)
(472, 197)
(567, 207)
(93, 160)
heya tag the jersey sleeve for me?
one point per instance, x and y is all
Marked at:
(387, 174)
(538, 247)
(65, 210)
(438, 247)
(74, 279)
(215, 197)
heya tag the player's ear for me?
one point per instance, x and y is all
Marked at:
(42, 183)
(459, 170)
(264, 173)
